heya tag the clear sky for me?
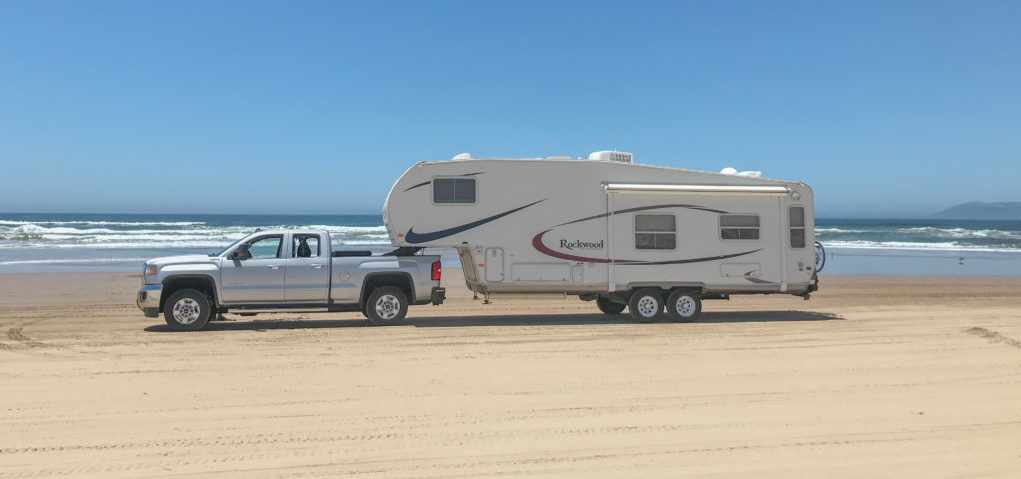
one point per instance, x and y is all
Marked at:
(886, 109)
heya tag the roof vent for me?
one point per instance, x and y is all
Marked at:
(621, 156)
(462, 156)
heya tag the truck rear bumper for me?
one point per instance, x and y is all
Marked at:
(438, 295)
(148, 299)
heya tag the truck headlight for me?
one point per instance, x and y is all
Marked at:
(151, 270)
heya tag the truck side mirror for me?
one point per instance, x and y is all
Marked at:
(241, 253)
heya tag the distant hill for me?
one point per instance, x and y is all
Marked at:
(977, 210)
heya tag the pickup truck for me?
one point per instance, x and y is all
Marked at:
(288, 270)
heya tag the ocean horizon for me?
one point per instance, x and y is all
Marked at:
(39, 242)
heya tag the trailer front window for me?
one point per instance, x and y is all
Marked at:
(797, 225)
(454, 190)
(655, 232)
(739, 227)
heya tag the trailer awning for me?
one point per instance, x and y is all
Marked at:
(741, 189)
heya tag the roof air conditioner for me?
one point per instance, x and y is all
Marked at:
(621, 156)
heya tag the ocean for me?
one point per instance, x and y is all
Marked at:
(121, 242)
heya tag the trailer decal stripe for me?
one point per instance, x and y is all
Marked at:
(416, 186)
(416, 238)
(430, 181)
(542, 248)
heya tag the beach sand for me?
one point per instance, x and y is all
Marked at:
(874, 377)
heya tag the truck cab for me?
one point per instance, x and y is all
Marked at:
(287, 270)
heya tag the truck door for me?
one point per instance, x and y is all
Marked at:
(257, 277)
(308, 270)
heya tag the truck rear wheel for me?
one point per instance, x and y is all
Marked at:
(609, 307)
(187, 310)
(684, 305)
(386, 305)
(646, 305)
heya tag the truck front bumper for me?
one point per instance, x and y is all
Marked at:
(148, 299)
(438, 295)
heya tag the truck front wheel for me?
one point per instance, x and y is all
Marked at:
(386, 305)
(187, 310)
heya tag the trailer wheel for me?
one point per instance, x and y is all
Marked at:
(187, 310)
(646, 305)
(386, 305)
(609, 307)
(684, 305)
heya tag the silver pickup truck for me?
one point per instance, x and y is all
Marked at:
(288, 270)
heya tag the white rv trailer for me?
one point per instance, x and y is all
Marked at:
(647, 237)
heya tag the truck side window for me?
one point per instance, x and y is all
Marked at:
(655, 232)
(454, 190)
(266, 247)
(797, 225)
(305, 246)
(739, 227)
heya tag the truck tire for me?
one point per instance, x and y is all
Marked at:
(386, 305)
(684, 305)
(609, 307)
(646, 305)
(187, 310)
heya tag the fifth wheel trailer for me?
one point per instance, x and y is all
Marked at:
(649, 238)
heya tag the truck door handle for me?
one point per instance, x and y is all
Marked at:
(317, 266)
(273, 266)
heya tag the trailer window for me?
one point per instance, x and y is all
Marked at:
(797, 225)
(655, 232)
(739, 227)
(454, 190)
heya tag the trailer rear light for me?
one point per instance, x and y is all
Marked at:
(437, 272)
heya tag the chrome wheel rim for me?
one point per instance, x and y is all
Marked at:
(685, 306)
(648, 306)
(388, 306)
(186, 311)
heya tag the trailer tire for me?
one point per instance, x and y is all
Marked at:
(187, 310)
(684, 305)
(386, 305)
(609, 307)
(646, 305)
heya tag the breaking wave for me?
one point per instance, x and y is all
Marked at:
(960, 232)
(157, 234)
(916, 246)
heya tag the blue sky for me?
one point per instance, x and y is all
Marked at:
(886, 109)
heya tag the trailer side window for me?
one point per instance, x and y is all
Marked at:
(655, 232)
(454, 190)
(797, 225)
(739, 227)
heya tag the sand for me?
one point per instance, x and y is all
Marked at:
(874, 377)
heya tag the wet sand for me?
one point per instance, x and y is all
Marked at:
(874, 377)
